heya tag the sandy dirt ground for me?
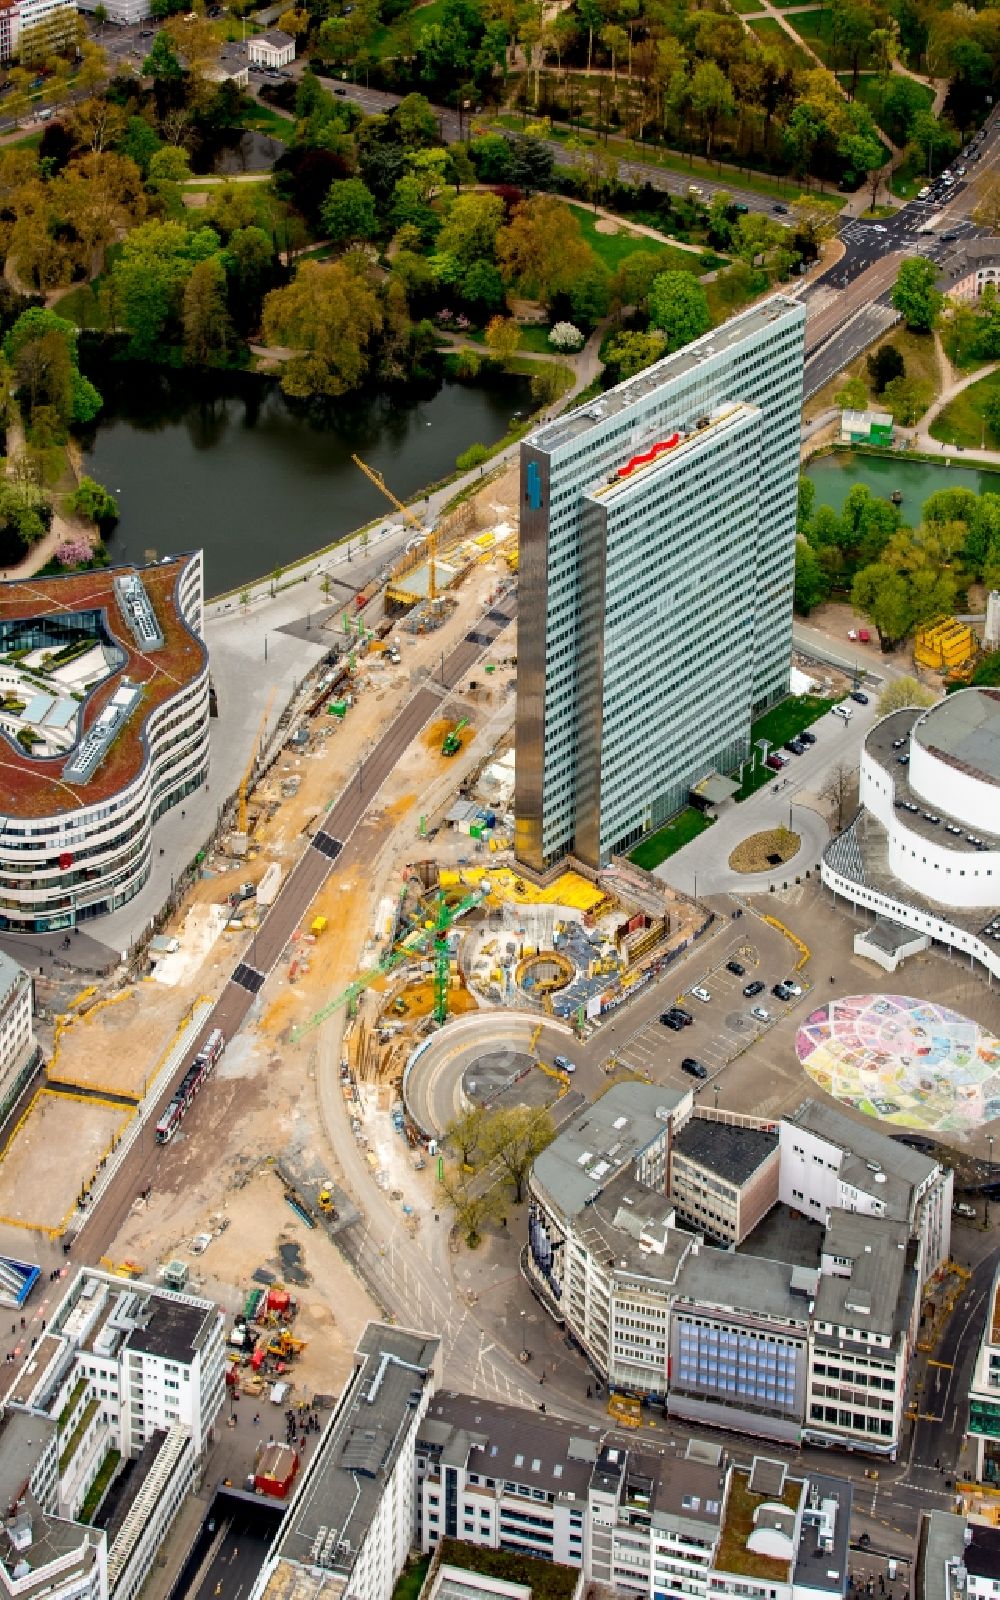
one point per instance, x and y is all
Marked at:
(260, 1232)
(38, 1185)
(117, 1048)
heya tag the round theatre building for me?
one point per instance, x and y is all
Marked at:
(924, 851)
(104, 724)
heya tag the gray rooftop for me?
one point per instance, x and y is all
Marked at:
(24, 1436)
(43, 1540)
(889, 936)
(860, 1136)
(940, 1544)
(339, 1493)
(598, 1143)
(10, 975)
(276, 37)
(554, 434)
(821, 1561)
(732, 1153)
(877, 1296)
(885, 743)
(508, 1442)
(719, 1278)
(175, 1331)
(964, 731)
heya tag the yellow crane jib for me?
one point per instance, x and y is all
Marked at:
(430, 540)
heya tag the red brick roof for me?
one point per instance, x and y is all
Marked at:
(34, 787)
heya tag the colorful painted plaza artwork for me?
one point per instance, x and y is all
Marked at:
(903, 1060)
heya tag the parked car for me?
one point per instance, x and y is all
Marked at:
(805, 737)
(961, 1208)
(671, 1020)
(759, 1014)
(701, 993)
(793, 987)
(563, 1064)
(843, 712)
(780, 992)
(685, 1016)
(735, 968)
(775, 762)
(859, 697)
(689, 1064)
(753, 988)
(795, 747)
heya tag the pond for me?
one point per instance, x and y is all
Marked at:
(224, 461)
(836, 475)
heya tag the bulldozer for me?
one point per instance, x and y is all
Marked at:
(324, 1200)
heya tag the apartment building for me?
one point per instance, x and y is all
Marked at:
(984, 1394)
(657, 553)
(350, 1525)
(626, 1514)
(18, 1050)
(833, 1162)
(782, 1348)
(724, 1176)
(864, 1328)
(782, 1538)
(122, 1367)
(958, 1558)
(643, 1519)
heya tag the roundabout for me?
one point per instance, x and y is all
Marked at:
(902, 1060)
(478, 1059)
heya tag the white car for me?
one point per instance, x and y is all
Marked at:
(796, 988)
(564, 1064)
(759, 1014)
(701, 994)
(923, 193)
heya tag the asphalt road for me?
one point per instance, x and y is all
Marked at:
(284, 916)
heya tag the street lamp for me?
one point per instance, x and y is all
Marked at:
(525, 1353)
(986, 1206)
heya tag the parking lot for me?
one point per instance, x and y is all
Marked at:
(722, 1026)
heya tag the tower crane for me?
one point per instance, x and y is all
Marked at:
(430, 540)
(245, 780)
(435, 934)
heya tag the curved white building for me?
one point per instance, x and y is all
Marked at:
(924, 850)
(104, 718)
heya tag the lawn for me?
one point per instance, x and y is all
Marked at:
(777, 726)
(666, 841)
(613, 248)
(742, 7)
(264, 119)
(411, 1579)
(769, 31)
(534, 339)
(396, 38)
(962, 421)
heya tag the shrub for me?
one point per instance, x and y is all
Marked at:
(473, 457)
(565, 336)
(73, 552)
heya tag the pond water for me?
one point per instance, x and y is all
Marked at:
(836, 475)
(224, 461)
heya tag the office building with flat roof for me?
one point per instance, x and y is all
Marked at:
(350, 1525)
(657, 559)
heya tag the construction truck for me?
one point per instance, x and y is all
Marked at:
(453, 738)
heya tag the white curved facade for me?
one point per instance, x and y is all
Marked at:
(90, 857)
(924, 850)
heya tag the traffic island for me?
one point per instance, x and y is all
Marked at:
(763, 852)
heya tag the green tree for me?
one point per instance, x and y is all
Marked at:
(148, 279)
(678, 306)
(469, 232)
(163, 63)
(908, 399)
(515, 1137)
(348, 212)
(914, 294)
(482, 286)
(205, 318)
(883, 365)
(881, 594)
(169, 164)
(628, 353)
(991, 412)
(92, 501)
(812, 586)
(852, 395)
(466, 1134)
(328, 314)
(711, 99)
(547, 384)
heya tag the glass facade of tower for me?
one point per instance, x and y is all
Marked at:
(655, 595)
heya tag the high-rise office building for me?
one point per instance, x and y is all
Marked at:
(657, 562)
